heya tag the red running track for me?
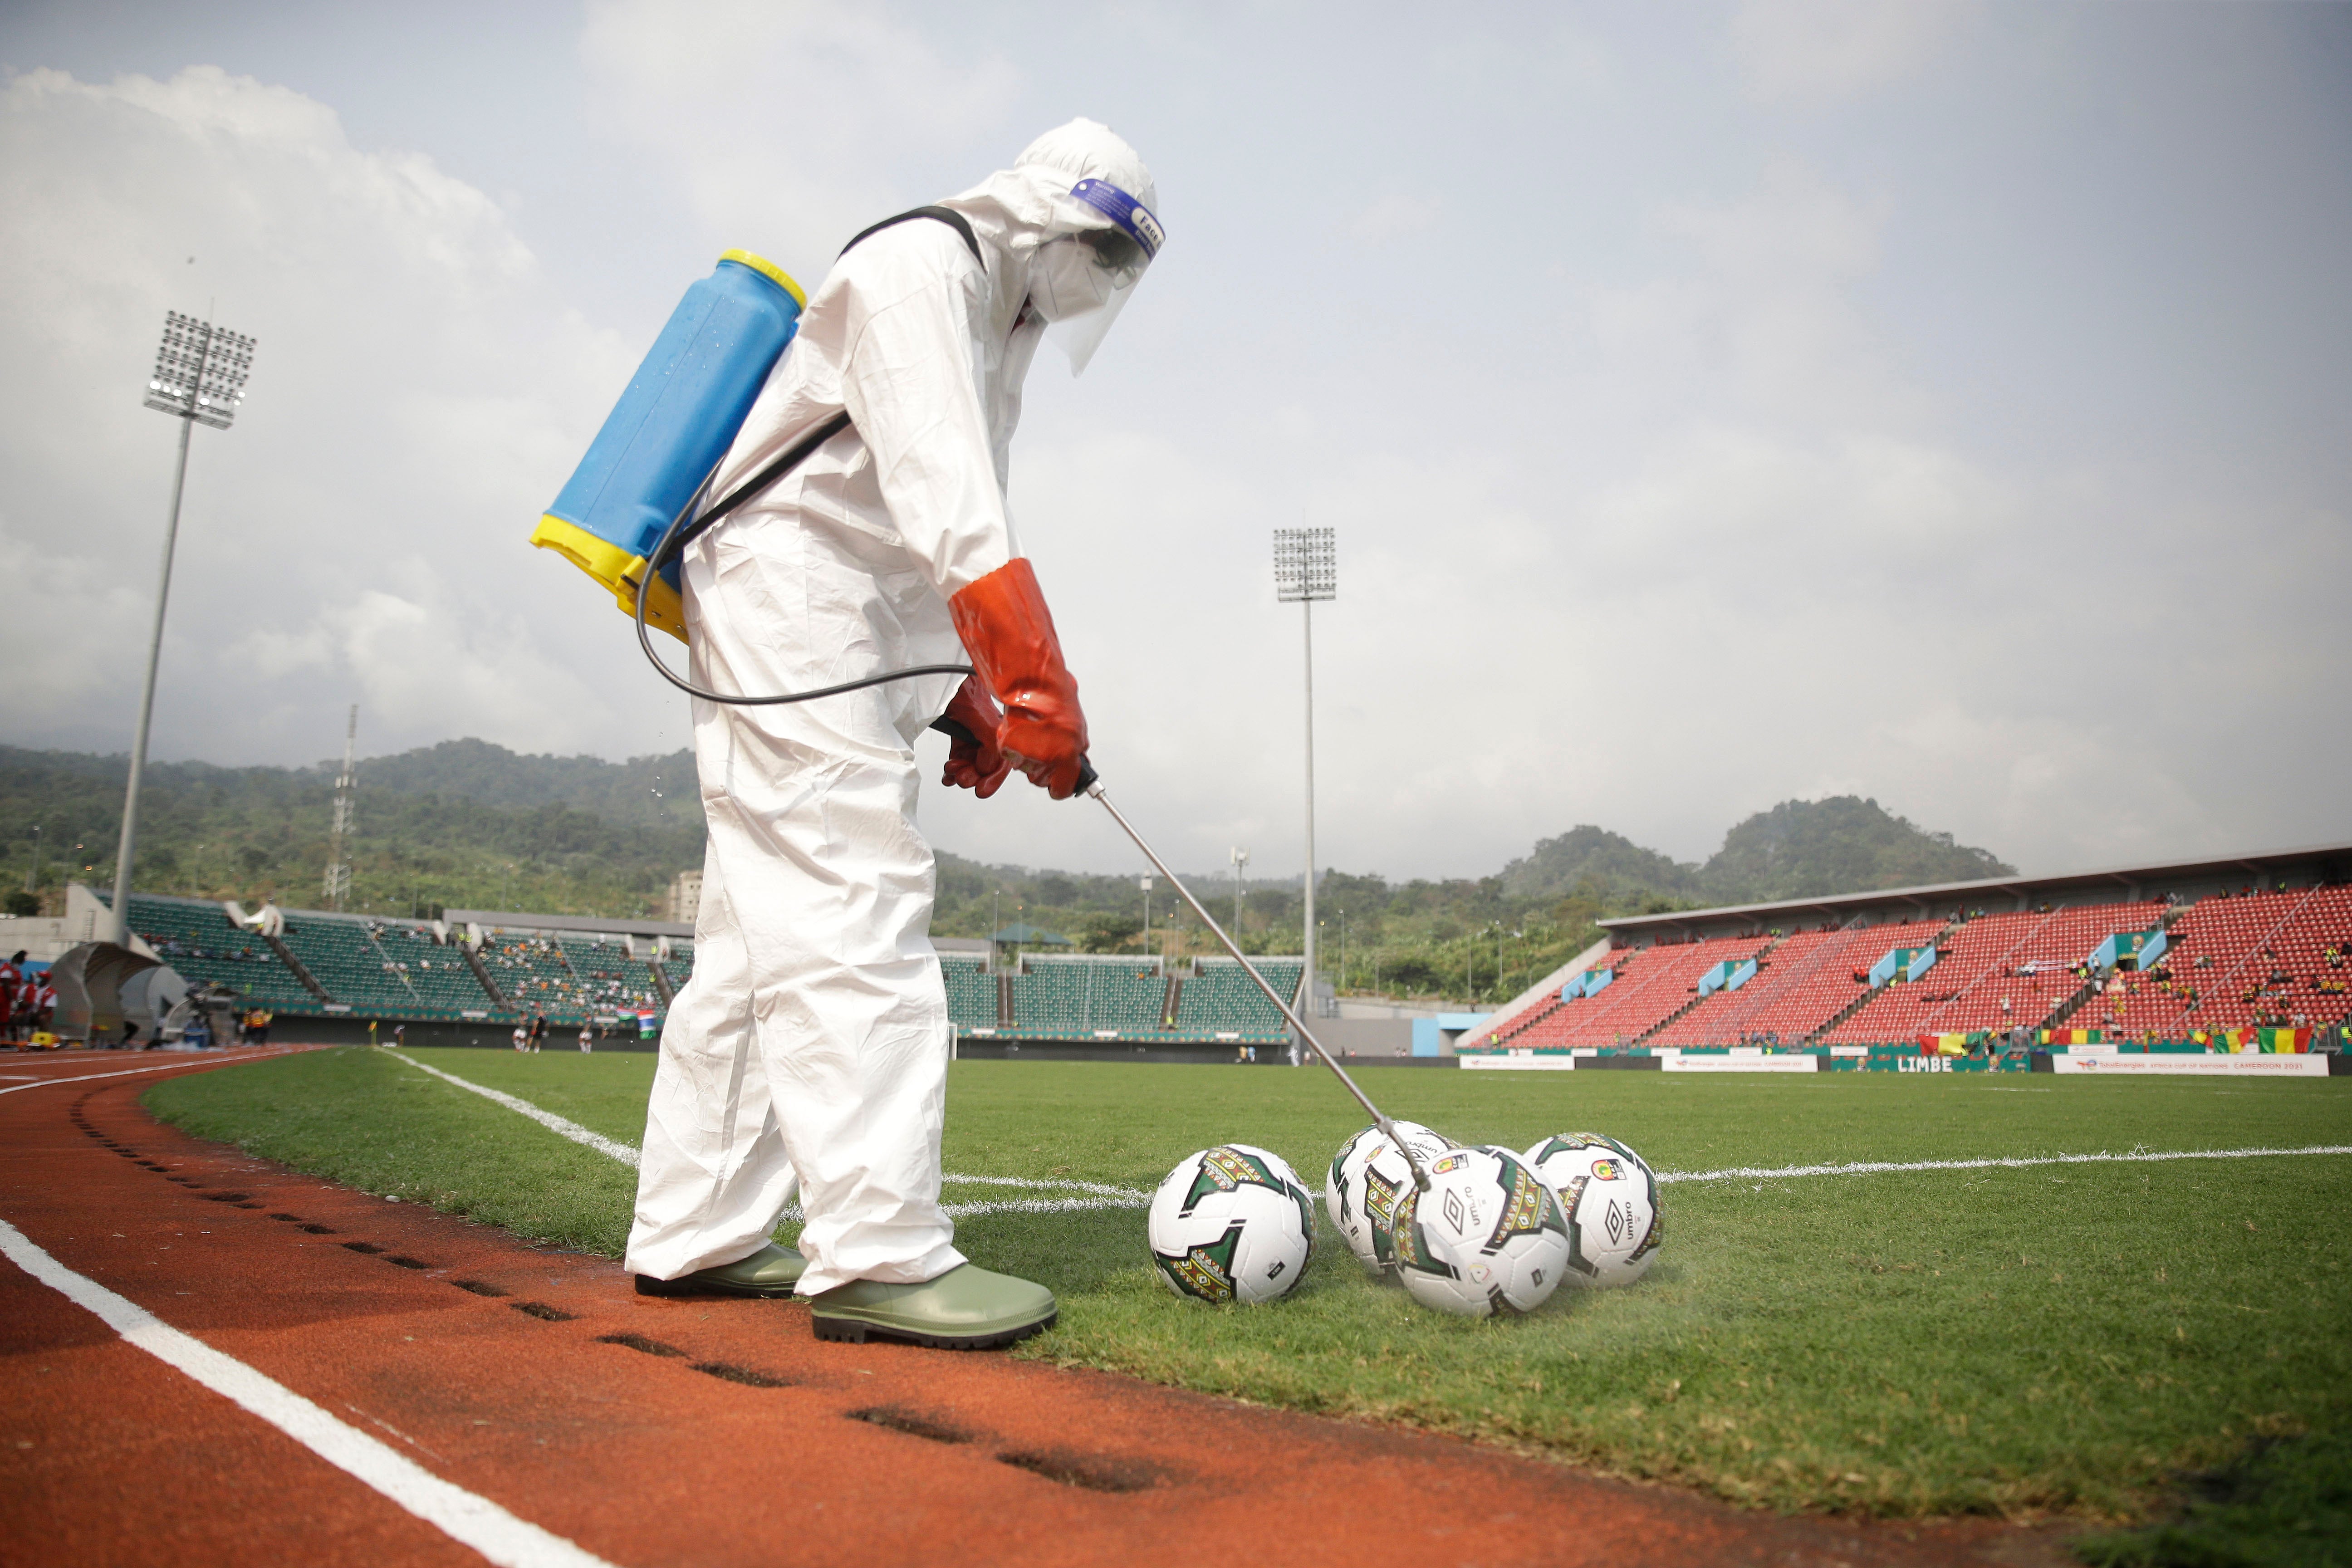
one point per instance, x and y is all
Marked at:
(656, 1432)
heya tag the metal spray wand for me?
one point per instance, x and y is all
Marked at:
(1094, 789)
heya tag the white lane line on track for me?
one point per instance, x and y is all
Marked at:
(1098, 1195)
(465, 1517)
(190, 1060)
(1877, 1167)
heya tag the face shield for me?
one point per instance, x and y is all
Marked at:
(1080, 282)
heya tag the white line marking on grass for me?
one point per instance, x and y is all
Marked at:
(1099, 1196)
(547, 1119)
(474, 1521)
(1127, 1199)
(1047, 1185)
(1876, 1167)
(126, 1072)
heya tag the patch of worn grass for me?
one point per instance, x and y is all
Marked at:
(2006, 1340)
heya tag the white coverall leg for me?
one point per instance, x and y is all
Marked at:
(813, 1039)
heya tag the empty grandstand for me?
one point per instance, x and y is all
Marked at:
(458, 971)
(2159, 954)
(473, 974)
(2173, 952)
(1205, 1009)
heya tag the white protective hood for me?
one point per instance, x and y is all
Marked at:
(1017, 211)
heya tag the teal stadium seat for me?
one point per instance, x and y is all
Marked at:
(972, 993)
(440, 978)
(1128, 996)
(529, 966)
(341, 954)
(1051, 998)
(1222, 999)
(198, 940)
(610, 980)
(1080, 996)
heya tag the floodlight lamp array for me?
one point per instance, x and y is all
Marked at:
(200, 370)
(1306, 565)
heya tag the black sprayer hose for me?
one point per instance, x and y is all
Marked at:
(682, 530)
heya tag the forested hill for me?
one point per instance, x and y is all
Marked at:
(470, 825)
(1798, 849)
(464, 824)
(643, 792)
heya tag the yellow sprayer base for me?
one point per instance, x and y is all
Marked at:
(615, 571)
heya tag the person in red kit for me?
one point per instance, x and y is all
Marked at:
(12, 994)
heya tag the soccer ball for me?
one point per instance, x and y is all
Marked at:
(1366, 1174)
(1487, 1238)
(1610, 1197)
(1233, 1223)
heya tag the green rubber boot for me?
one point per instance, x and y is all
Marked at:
(966, 1309)
(771, 1271)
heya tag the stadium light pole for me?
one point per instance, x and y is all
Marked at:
(1240, 857)
(342, 825)
(199, 379)
(1305, 570)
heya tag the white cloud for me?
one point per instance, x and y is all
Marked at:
(1765, 321)
(784, 119)
(1813, 50)
(415, 402)
(1396, 213)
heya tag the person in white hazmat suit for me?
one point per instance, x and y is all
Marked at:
(810, 1050)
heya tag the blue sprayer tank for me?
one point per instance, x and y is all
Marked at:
(677, 418)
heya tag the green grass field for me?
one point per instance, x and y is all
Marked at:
(2014, 1340)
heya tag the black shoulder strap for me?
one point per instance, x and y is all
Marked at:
(792, 458)
(947, 215)
(681, 530)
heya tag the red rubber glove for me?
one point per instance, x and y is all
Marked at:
(970, 724)
(1009, 633)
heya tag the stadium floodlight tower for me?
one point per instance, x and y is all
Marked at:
(1305, 570)
(343, 828)
(199, 379)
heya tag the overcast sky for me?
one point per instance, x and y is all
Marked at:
(1716, 404)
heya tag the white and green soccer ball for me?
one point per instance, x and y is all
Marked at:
(1610, 1197)
(1232, 1224)
(1366, 1177)
(1488, 1237)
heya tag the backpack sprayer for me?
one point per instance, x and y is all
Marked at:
(630, 507)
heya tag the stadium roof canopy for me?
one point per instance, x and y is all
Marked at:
(2188, 880)
(516, 920)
